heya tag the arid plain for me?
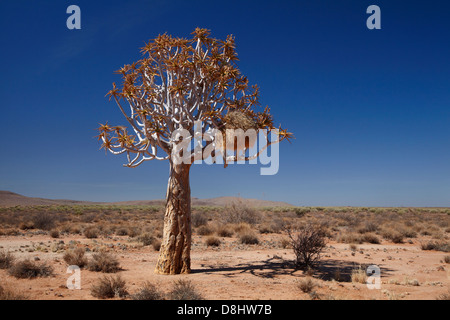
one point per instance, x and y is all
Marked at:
(240, 250)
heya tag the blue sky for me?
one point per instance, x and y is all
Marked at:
(370, 109)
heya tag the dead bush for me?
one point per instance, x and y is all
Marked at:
(370, 238)
(392, 235)
(306, 285)
(436, 245)
(104, 262)
(148, 291)
(76, 257)
(146, 239)
(359, 275)
(6, 259)
(238, 212)
(7, 293)
(43, 221)
(212, 241)
(27, 269)
(184, 290)
(91, 232)
(54, 234)
(156, 244)
(109, 287)
(204, 230)
(307, 245)
(199, 219)
(248, 238)
(224, 231)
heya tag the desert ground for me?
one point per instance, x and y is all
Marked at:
(239, 251)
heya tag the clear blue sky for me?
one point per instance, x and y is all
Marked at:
(370, 109)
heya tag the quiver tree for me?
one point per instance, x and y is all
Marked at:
(191, 85)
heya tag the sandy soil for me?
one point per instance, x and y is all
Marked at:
(236, 271)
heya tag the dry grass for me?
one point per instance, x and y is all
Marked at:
(7, 293)
(27, 269)
(104, 262)
(76, 257)
(306, 285)
(212, 241)
(184, 290)
(359, 275)
(6, 259)
(109, 287)
(148, 291)
(248, 238)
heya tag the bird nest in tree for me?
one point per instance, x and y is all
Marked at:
(232, 121)
(238, 120)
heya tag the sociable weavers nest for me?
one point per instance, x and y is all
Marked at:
(232, 122)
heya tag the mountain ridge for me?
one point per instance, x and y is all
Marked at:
(12, 199)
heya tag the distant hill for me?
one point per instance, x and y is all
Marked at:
(11, 199)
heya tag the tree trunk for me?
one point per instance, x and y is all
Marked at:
(175, 251)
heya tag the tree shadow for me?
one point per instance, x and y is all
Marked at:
(268, 268)
(338, 270)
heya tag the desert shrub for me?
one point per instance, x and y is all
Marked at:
(27, 225)
(104, 262)
(285, 243)
(370, 238)
(408, 232)
(146, 239)
(248, 238)
(156, 244)
(199, 219)
(76, 257)
(265, 228)
(306, 285)
(6, 259)
(133, 231)
(350, 238)
(392, 235)
(307, 245)
(205, 230)
(9, 294)
(359, 275)
(368, 226)
(239, 212)
(224, 231)
(27, 269)
(109, 287)
(148, 291)
(184, 290)
(54, 233)
(91, 232)
(122, 232)
(447, 259)
(43, 221)
(435, 245)
(212, 241)
(242, 227)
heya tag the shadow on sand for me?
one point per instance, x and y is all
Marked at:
(331, 269)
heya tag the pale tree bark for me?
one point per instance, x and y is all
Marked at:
(174, 254)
